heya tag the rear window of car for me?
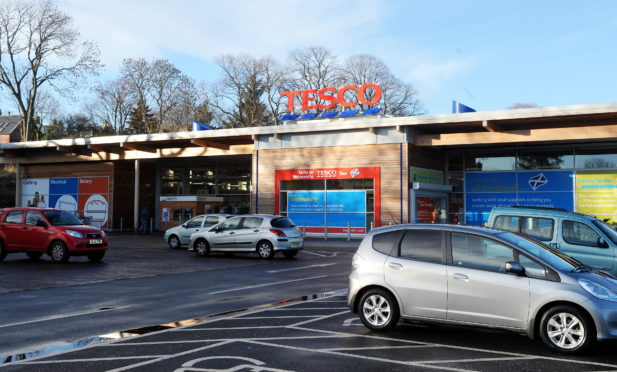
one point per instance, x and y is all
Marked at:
(538, 228)
(423, 245)
(13, 217)
(282, 222)
(508, 223)
(385, 242)
(252, 222)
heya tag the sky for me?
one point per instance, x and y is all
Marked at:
(486, 54)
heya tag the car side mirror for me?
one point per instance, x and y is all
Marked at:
(514, 267)
(184, 225)
(602, 243)
(41, 223)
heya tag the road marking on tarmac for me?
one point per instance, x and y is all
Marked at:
(54, 317)
(267, 284)
(299, 268)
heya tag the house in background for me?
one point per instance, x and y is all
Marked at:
(10, 128)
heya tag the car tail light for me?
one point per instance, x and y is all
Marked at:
(277, 232)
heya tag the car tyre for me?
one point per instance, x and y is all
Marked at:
(265, 249)
(58, 252)
(2, 251)
(96, 256)
(202, 248)
(34, 255)
(290, 253)
(378, 310)
(566, 330)
(174, 242)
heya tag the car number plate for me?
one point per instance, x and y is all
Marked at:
(96, 241)
(295, 244)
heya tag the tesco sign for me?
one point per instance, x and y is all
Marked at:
(332, 97)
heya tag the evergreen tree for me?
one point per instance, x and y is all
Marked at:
(141, 120)
(203, 113)
(55, 130)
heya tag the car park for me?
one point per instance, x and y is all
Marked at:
(181, 235)
(477, 276)
(58, 233)
(581, 236)
(263, 234)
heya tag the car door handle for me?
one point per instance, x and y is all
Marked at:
(395, 266)
(24, 228)
(255, 230)
(458, 276)
(231, 233)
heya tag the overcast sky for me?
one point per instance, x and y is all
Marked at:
(486, 54)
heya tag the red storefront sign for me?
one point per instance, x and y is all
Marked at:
(331, 173)
(333, 97)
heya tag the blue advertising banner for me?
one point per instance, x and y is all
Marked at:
(61, 186)
(485, 190)
(309, 207)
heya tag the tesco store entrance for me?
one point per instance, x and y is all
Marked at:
(329, 201)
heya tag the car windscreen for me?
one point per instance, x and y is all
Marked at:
(282, 222)
(607, 230)
(61, 218)
(547, 254)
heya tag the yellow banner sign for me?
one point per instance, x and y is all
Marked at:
(596, 194)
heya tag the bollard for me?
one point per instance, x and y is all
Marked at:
(303, 229)
(151, 225)
(325, 235)
(348, 231)
(371, 225)
(121, 224)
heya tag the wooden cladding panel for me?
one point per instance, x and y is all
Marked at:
(385, 156)
(426, 158)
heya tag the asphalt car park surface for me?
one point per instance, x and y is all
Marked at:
(240, 324)
(317, 334)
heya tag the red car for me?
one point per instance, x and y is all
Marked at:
(56, 232)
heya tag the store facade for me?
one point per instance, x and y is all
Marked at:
(335, 176)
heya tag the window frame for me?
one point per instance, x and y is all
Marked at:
(40, 218)
(522, 224)
(444, 238)
(451, 256)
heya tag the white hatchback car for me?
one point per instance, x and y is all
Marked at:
(181, 235)
(264, 234)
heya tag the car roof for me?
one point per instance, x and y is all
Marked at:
(553, 212)
(441, 227)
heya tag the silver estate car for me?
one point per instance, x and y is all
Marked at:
(482, 277)
(264, 234)
(181, 235)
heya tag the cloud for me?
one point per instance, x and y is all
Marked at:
(431, 73)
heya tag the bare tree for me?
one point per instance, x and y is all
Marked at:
(39, 45)
(46, 107)
(399, 98)
(239, 97)
(113, 104)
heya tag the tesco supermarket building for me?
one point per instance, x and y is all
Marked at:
(338, 173)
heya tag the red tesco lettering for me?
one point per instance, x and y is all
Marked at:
(332, 96)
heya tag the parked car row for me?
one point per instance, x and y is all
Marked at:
(55, 232)
(263, 234)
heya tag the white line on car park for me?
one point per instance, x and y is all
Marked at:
(54, 317)
(267, 284)
(299, 268)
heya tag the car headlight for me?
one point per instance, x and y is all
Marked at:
(598, 290)
(74, 233)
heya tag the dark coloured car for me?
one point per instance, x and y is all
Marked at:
(57, 233)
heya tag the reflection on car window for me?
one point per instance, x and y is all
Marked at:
(252, 222)
(231, 224)
(547, 254)
(61, 218)
(32, 218)
(211, 221)
(579, 234)
(195, 222)
(480, 253)
(538, 228)
(533, 269)
(282, 222)
(508, 223)
(423, 245)
(13, 217)
(384, 242)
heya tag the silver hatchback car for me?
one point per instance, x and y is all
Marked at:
(482, 277)
(264, 234)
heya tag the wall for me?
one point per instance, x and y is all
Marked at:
(385, 156)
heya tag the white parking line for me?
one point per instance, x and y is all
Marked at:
(299, 268)
(54, 317)
(267, 284)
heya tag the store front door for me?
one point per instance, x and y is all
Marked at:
(429, 203)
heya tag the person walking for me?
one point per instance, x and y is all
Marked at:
(144, 216)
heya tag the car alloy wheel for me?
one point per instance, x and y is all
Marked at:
(265, 249)
(566, 329)
(59, 253)
(202, 248)
(174, 242)
(378, 310)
